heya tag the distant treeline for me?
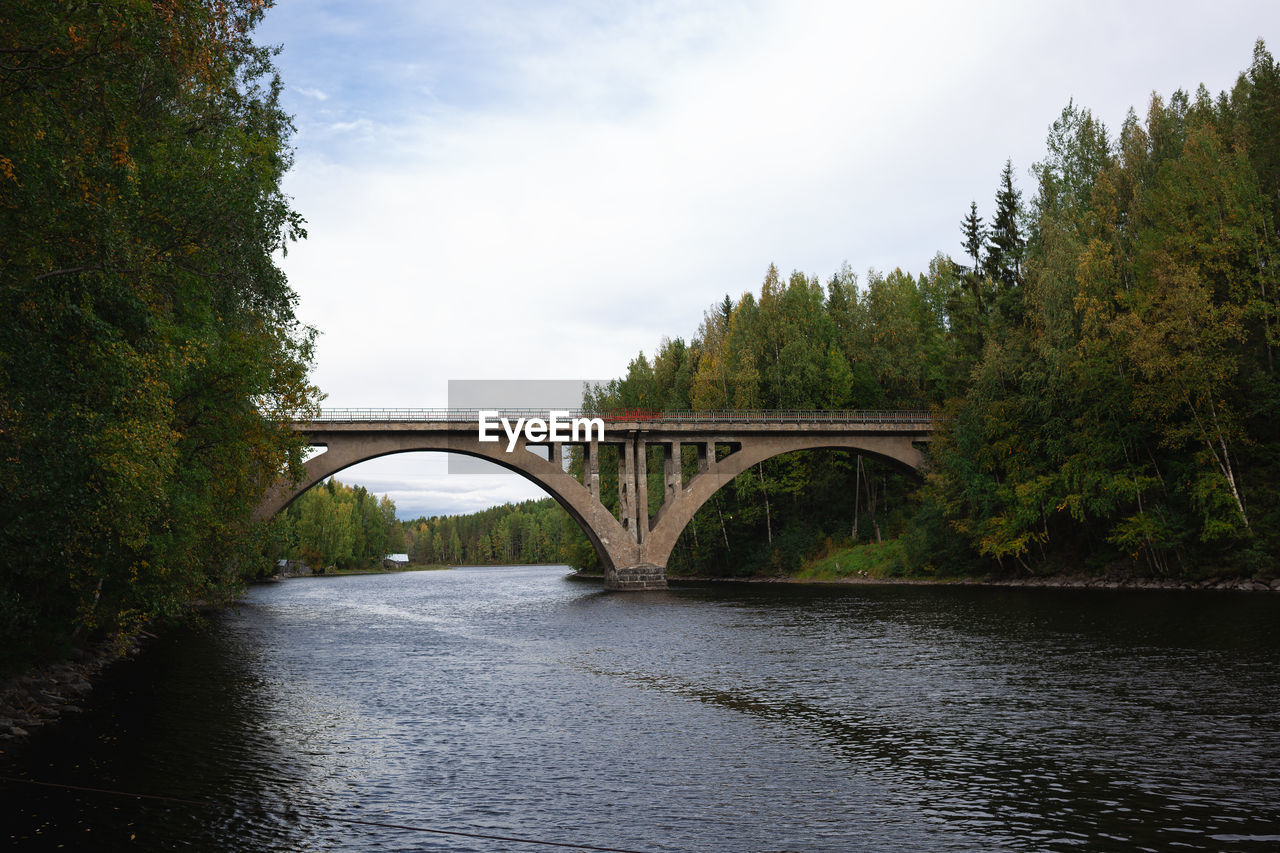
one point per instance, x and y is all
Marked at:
(533, 531)
(1104, 354)
(341, 526)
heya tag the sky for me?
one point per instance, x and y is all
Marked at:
(520, 190)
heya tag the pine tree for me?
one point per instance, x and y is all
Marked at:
(1005, 243)
(974, 235)
(726, 309)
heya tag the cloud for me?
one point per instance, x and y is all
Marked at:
(421, 486)
(541, 192)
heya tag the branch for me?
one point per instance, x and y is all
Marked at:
(67, 271)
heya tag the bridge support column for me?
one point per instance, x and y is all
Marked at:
(627, 488)
(671, 470)
(642, 490)
(591, 468)
(633, 509)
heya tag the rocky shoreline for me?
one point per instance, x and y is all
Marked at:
(1067, 582)
(1048, 582)
(42, 694)
(1084, 582)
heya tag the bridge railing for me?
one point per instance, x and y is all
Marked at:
(732, 416)
(799, 416)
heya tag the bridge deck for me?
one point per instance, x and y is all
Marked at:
(917, 420)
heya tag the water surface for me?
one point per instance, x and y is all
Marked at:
(511, 701)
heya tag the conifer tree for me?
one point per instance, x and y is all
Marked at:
(1005, 242)
(974, 235)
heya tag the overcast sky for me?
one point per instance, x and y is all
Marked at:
(521, 190)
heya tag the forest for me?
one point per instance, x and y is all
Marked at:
(1101, 352)
(339, 526)
(150, 359)
(532, 531)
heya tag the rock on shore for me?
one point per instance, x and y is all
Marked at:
(44, 693)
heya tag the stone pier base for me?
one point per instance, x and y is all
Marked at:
(632, 578)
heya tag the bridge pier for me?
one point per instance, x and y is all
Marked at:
(639, 578)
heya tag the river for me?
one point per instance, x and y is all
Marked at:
(335, 713)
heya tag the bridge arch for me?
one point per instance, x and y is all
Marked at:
(675, 515)
(603, 531)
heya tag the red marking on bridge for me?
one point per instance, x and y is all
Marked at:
(633, 415)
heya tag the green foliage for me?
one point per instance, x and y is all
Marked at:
(1105, 365)
(975, 235)
(534, 531)
(149, 355)
(1005, 242)
(335, 525)
(798, 345)
(1124, 407)
(871, 561)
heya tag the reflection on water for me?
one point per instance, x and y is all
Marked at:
(510, 701)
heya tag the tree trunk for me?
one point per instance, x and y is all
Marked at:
(871, 504)
(723, 531)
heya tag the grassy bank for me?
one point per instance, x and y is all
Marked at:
(872, 561)
(888, 562)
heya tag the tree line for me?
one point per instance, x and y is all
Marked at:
(532, 531)
(1102, 355)
(341, 526)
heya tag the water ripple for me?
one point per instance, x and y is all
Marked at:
(513, 702)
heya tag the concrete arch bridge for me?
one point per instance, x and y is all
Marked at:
(634, 545)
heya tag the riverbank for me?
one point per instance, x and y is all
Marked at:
(887, 562)
(433, 567)
(1046, 581)
(334, 573)
(44, 693)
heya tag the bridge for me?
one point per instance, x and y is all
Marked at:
(635, 544)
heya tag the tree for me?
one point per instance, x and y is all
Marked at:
(974, 235)
(1005, 242)
(149, 354)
